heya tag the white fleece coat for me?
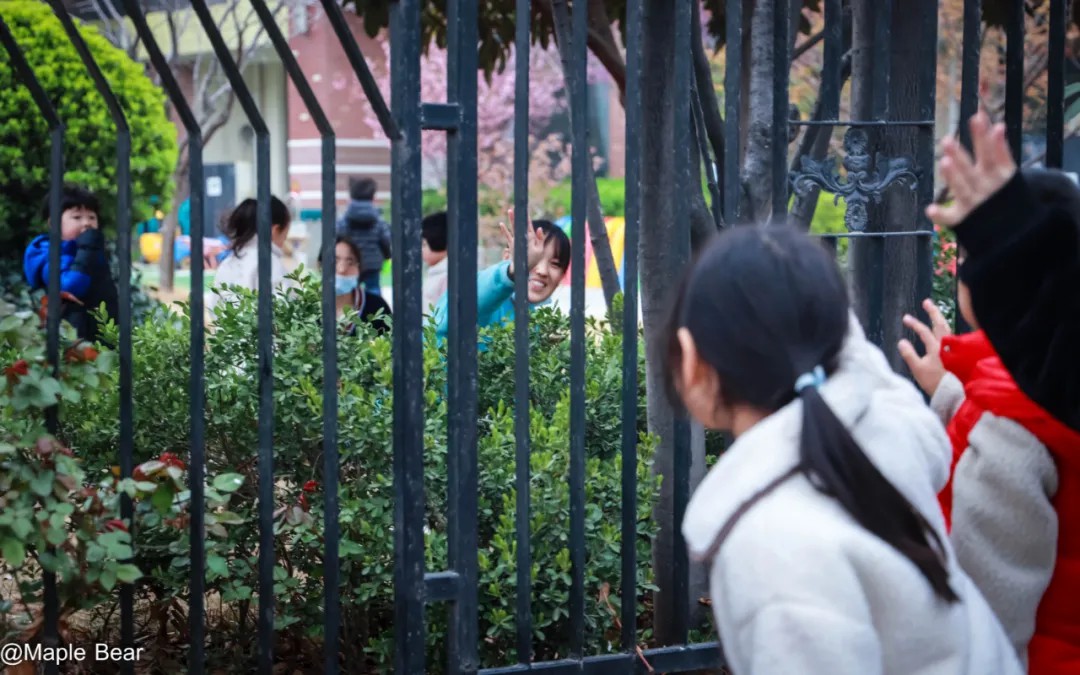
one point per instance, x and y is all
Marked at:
(241, 268)
(799, 587)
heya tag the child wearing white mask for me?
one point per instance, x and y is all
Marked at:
(369, 307)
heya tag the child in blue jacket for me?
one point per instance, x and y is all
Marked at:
(548, 258)
(85, 276)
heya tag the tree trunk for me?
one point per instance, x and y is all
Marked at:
(605, 260)
(885, 271)
(815, 144)
(659, 275)
(170, 226)
(757, 165)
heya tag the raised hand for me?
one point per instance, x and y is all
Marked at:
(536, 243)
(928, 370)
(973, 180)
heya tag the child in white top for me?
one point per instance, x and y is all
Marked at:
(820, 525)
(241, 267)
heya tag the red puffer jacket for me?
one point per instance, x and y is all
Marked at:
(988, 388)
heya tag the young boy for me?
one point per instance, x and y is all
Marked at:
(84, 265)
(1013, 502)
(363, 225)
(434, 235)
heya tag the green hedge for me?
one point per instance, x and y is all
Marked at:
(162, 436)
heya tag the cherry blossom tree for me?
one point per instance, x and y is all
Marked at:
(494, 117)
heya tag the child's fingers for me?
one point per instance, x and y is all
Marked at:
(908, 353)
(922, 330)
(937, 319)
(999, 154)
(958, 181)
(979, 124)
(506, 233)
(948, 216)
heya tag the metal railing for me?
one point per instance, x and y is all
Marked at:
(415, 587)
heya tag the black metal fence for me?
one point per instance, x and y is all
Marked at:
(875, 120)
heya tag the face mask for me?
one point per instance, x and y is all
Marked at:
(344, 285)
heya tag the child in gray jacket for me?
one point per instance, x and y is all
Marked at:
(363, 225)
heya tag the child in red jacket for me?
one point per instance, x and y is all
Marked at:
(1013, 500)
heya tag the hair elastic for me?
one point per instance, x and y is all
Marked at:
(815, 378)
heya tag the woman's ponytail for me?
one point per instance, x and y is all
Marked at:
(836, 465)
(241, 225)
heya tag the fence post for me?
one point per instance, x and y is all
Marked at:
(23, 71)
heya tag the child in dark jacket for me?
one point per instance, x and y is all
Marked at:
(85, 277)
(1023, 266)
(363, 225)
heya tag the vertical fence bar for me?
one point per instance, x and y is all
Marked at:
(462, 447)
(781, 128)
(834, 53)
(969, 67)
(25, 74)
(331, 527)
(579, 160)
(882, 13)
(1014, 78)
(681, 163)
(265, 333)
(924, 277)
(196, 385)
(1055, 86)
(408, 345)
(123, 253)
(521, 330)
(630, 325)
(732, 110)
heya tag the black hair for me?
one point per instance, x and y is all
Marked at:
(554, 233)
(72, 197)
(240, 227)
(352, 247)
(766, 305)
(1052, 189)
(362, 189)
(435, 229)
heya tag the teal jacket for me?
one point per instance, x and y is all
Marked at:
(494, 300)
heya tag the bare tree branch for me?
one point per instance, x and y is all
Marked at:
(807, 44)
(174, 41)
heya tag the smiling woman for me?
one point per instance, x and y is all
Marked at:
(548, 258)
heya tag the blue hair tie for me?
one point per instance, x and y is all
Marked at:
(815, 378)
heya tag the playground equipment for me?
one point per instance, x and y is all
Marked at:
(616, 230)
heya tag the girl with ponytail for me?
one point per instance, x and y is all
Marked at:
(820, 525)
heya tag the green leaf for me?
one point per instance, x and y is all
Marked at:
(229, 518)
(108, 578)
(14, 552)
(55, 535)
(217, 565)
(162, 498)
(42, 484)
(22, 528)
(106, 361)
(94, 553)
(128, 573)
(228, 482)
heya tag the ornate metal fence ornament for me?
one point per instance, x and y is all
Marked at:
(866, 180)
